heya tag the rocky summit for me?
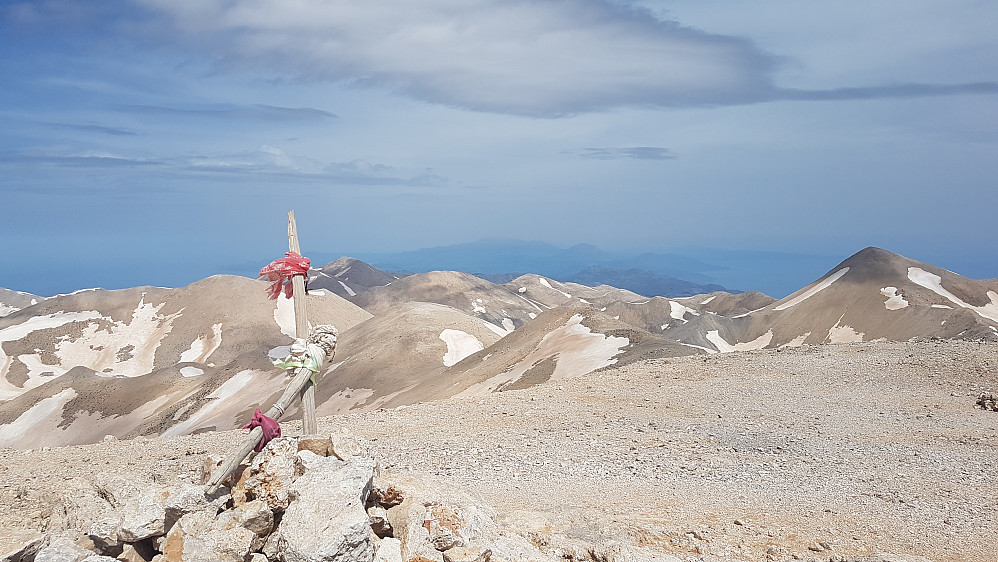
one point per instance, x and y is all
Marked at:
(853, 420)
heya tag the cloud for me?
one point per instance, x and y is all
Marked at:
(94, 128)
(263, 164)
(636, 152)
(250, 112)
(546, 58)
(891, 91)
(528, 57)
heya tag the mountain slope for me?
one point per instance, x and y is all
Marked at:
(347, 277)
(873, 295)
(132, 359)
(12, 301)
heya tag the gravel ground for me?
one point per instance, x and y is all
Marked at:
(819, 452)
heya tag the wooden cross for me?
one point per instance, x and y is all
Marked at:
(300, 386)
(309, 425)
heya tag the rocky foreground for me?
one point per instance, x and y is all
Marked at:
(866, 452)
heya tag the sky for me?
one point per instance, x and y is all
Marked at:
(162, 141)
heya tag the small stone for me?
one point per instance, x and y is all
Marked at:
(739, 522)
(379, 521)
(319, 445)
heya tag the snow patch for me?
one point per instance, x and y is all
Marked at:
(477, 308)
(843, 334)
(820, 286)
(798, 341)
(714, 337)
(544, 282)
(508, 324)
(578, 351)
(942, 306)
(459, 345)
(932, 282)
(284, 315)
(895, 301)
(347, 289)
(499, 331)
(522, 290)
(709, 299)
(33, 416)
(317, 293)
(196, 353)
(531, 315)
(677, 311)
(190, 371)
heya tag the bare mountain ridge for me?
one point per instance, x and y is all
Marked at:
(12, 301)
(174, 361)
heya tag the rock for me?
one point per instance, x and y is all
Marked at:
(445, 524)
(99, 558)
(389, 550)
(143, 516)
(257, 557)
(139, 552)
(182, 499)
(254, 516)
(319, 445)
(198, 537)
(408, 525)
(386, 494)
(379, 521)
(104, 534)
(20, 545)
(344, 445)
(468, 554)
(62, 549)
(271, 473)
(326, 521)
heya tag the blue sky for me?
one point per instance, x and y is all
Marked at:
(161, 141)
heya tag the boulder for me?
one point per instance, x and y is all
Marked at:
(62, 549)
(143, 516)
(254, 516)
(389, 550)
(270, 474)
(199, 537)
(182, 499)
(104, 534)
(326, 520)
(17, 545)
(408, 520)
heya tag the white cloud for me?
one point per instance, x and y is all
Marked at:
(527, 57)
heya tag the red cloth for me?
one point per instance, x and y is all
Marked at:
(271, 429)
(280, 272)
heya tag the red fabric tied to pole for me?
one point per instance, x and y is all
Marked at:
(271, 429)
(280, 272)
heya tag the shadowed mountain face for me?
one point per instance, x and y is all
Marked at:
(347, 277)
(145, 361)
(12, 301)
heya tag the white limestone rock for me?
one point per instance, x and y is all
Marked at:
(326, 520)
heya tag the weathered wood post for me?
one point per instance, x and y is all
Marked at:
(309, 425)
(301, 385)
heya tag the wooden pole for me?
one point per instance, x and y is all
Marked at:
(309, 424)
(302, 376)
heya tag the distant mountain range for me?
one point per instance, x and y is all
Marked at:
(691, 271)
(152, 361)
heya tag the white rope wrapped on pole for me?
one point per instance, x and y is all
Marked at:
(320, 345)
